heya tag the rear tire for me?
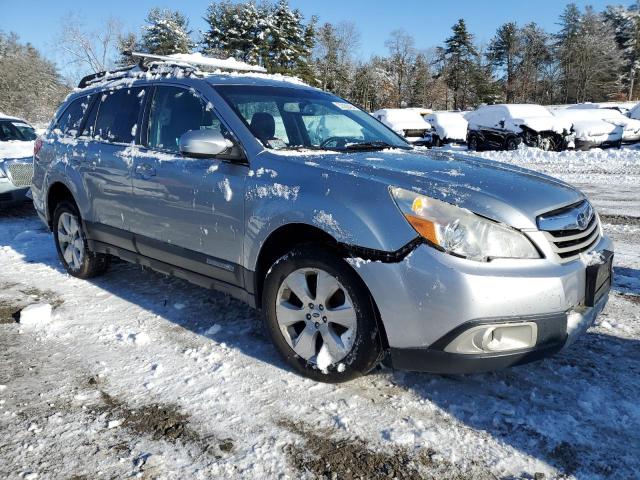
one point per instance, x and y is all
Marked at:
(71, 243)
(320, 316)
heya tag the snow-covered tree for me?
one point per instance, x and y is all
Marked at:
(30, 85)
(166, 32)
(625, 24)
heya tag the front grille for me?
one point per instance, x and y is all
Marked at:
(21, 174)
(414, 133)
(569, 244)
(6, 197)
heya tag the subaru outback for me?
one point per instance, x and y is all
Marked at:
(354, 244)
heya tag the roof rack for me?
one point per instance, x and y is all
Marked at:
(186, 62)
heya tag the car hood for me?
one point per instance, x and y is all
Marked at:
(543, 124)
(16, 149)
(502, 192)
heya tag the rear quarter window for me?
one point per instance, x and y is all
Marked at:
(118, 113)
(69, 122)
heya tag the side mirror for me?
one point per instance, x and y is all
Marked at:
(203, 143)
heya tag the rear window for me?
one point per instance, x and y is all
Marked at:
(69, 122)
(118, 113)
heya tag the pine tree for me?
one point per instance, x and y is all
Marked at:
(504, 52)
(460, 56)
(287, 37)
(126, 44)
(167, 32)
(567, 49)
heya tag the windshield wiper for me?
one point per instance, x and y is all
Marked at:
(376, 145)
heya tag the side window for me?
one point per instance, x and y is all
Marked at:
(69, 122)
(175, 111)
(265, 121)
(118, 112)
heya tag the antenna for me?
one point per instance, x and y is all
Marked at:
(201, 60)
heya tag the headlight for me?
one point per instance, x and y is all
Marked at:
(459, 231)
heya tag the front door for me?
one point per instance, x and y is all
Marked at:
(188, 211)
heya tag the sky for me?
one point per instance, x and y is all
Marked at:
(38, 22)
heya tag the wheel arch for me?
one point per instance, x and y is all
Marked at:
(58, 192)
(286, 237)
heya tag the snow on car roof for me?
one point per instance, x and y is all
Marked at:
(400, 114)
(526, 110)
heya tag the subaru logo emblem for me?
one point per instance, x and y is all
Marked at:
(582, 220)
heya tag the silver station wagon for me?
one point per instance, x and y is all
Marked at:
(354, 244)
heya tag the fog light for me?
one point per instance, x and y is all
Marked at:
(499, 337)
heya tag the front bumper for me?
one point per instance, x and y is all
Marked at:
(10, 194)
(430, 297)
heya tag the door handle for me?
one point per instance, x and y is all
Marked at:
(145, 170)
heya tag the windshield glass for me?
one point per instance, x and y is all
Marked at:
(16, 130)
(293, 118)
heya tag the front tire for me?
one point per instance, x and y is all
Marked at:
(473, 144)
(320, 316)
(71, 243)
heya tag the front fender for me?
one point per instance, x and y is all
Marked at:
(353, 210)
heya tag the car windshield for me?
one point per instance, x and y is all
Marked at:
(16, 130)
(294, 119)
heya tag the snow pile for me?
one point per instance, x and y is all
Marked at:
(36, 315)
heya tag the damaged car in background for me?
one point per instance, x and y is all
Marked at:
(505, 127)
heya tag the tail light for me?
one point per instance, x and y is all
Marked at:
(37, 146)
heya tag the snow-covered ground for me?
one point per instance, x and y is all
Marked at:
(136, 374)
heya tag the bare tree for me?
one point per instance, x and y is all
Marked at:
(88, 51)
(402, 54)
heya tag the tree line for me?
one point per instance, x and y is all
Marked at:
(594, 56)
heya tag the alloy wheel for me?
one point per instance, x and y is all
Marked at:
(70, 240)
(316, 315)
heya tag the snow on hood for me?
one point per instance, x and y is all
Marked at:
(16, 149)
(489, 188)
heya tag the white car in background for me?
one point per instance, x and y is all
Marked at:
(630, 126)
(447, 127)
(406, 122)
(590, 129)
(634, 112)
(622, 107)
(16, 159)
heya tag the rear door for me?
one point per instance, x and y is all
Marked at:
(112, 129)
(189, 211)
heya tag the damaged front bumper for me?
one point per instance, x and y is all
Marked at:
(444, 314)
